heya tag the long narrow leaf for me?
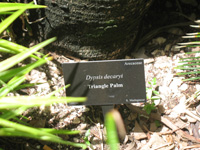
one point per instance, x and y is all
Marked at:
(54, 131)
(190, 43)
(13, 113)
(189, 65)
(23, 86)
(112, 137)
(185, 73)
(189, 68)
(189, 61)
(5, 50)
(10, 62)
(56, 91)
(49, 137)
(16, 6)
(192, 79)
(193, 52)
(15, 48)
(10, 19)
(9, 87)
(189, 58)
(26, 129)
(8, 74)
(31, 67)
(15, 102)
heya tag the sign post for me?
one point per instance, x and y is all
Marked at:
(106, 82)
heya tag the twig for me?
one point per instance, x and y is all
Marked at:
(192, 146)
(161, 146)
(192, 115)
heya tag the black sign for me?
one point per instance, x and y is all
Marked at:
(106, 82)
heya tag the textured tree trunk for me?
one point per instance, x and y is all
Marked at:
(94, 29)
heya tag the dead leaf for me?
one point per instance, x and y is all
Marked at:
(46, 148)
(131, 146)
(138, 132)
(154, 142)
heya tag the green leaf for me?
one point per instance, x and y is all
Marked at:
(10, 62)
(14, 48)
(185, 73)
(27, 101)
(155, 98)
(188, 68)
(191, 79)
(10, 19)
(193, 52)
(23, 86)
(55, 131)
(12, 85)
(189, 65)
(5, 50)
(6, 13)
(111, 130)
(8, 74)
(155, 92)
(16, 6)
(8, 114)
(14, 129)
(149, 107)
(189, 58)
(154, 81)
(86, 137)
(158, 123)
(189, 61)
(58, 90)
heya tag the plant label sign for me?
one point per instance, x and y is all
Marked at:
(106, 82)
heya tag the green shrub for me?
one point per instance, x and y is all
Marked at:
(12, 78)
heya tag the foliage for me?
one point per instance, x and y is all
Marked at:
(190, 65)
(152, 95)
(86, 137)
(112, 137)
(12, 77)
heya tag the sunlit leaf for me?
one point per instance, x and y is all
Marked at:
(111, 130)
(6, 64)
(16, 6)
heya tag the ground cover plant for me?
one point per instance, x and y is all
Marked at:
(190, 65)
(13, 76)
(152, 95)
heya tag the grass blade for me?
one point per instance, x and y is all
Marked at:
(189, 61)
(56, 91)
(45, 137)
(15, 102)
(189, 68)
(185, 73)
(112, 137)
(10, 19)
(54, 131)
(189, 65)
(16, 6)
(8, 74)
(15, 48)
(189, 58)
(192, 79)
(6, 64)
(5, 50)
(9, 87)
